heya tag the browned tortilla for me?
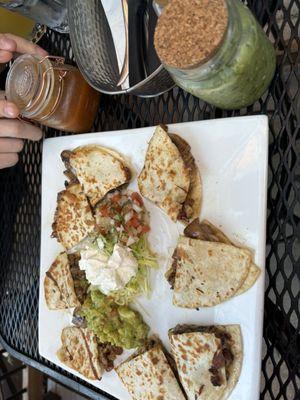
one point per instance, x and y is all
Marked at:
(148, 376)
(208, 359)
(79, 351)
(59, 285)
(170, 177)
(208, 273)
(191, 206)
(209, 232)
(98, 169)
(73, 219)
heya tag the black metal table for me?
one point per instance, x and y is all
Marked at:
(20, 208)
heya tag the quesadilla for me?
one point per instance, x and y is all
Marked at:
(170, 177)
(147, 375)
(59, 285)
(204, 274)
(207, 231)
(82, 351)
(98, 169)
(208, 359)
(79, 351)
(73, 219)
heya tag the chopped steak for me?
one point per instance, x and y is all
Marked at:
(107, 355)
(205, 231)
(171, 274)
(185, 151)
(80, 282)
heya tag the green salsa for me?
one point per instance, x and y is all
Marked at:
(242, 69)
(112, 323)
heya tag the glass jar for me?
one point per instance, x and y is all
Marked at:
(52, 93)
(238, 71)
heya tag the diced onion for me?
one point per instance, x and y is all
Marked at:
(131, 240)
(128, 216)
(136, 208)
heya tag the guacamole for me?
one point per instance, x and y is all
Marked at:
(112, 323)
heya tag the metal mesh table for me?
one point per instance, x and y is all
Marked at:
(20, 208)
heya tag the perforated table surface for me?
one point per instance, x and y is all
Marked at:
(20, 208)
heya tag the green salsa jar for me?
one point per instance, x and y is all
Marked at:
(215, 50)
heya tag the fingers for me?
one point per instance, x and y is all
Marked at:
(7, 43)
(22, 45)
(8, 109)
(5, 56)
(8, 159)
(13, 127)
(11, 145)
(19, 129)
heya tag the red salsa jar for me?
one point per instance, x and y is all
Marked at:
(52, 93)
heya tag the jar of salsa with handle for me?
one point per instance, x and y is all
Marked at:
(52, 93)
(216, 50)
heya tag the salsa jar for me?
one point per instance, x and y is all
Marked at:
(52, 93)
(216, 50)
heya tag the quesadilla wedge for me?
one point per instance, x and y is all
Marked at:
(170, 177)
(73, 219)
(207, 231)
(208, 359)
(204, 274)
(82, 351)
(79, 351)
(98, 169)
(192, 204)
(59, 285)
(147, 375)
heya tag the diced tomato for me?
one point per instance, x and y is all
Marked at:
(116, 209)
(145, 228)
(134, 222)
(116, 198)
(136, 198)
(104, 210)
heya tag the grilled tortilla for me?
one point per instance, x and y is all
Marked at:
(207, 273)
(170, 177)
(59, 285)
(207, 231)
(147, 375)
(98, 169)
(73, 219)
(79, 351)
(192, 204)
(208, 359)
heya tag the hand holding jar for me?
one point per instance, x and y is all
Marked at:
(12, 130)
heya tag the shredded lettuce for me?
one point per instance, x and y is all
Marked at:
(106, 243)
(143, 254)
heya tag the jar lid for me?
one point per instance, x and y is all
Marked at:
(189, 32)
(23, 80)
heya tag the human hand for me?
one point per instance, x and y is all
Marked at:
(12, 130)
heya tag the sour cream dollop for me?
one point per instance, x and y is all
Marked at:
(109, 273)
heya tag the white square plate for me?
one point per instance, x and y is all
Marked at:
(232, 156)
